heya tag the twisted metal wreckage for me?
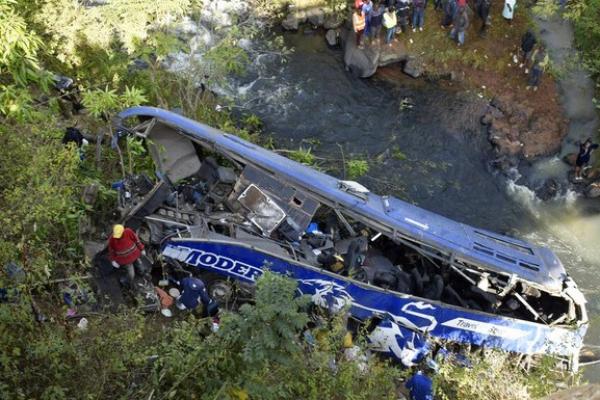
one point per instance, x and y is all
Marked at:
(226, 210)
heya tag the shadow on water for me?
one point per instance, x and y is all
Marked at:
(424, 144)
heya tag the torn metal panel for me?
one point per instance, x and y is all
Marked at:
(264, 212)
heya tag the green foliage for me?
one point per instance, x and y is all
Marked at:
(70, 25)
(104, 102)
(356, 168)
(57, 361)
(398, 154)
(38, 203)
(585, 15)
(18, 46)
(482, 381)
(302, 155)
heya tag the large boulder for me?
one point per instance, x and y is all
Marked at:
(392, 55)
(362, 62)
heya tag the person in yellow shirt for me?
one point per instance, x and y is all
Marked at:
(389, 22)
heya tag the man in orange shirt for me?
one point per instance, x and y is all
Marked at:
(358, 23)
(125, 250)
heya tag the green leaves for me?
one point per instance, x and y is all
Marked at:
(133, 97)
(356, 168)
(104, 102)
(302, 155)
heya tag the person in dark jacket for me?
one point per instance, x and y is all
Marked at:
(193, 292)
(403, 14)
(583, 157)
(528, 42)
(125, 251)
(418, 14)
(461, 23)
(483, 11)
(450, 10)
(376, 20)
(420, 387)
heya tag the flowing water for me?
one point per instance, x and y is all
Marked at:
(424, 144)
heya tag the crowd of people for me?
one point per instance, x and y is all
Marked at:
(398, 16)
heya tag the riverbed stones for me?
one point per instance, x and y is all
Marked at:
(514, 129)
(223, 13)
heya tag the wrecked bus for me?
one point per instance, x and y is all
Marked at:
(229, 209)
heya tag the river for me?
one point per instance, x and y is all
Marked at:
(424, 144)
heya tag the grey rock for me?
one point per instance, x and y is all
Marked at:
(316, 16)
(293, 20)
(361, 62)
(593, 190)
(332, 37)
(413, 67)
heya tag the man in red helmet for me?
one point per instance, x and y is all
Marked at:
(125, 250)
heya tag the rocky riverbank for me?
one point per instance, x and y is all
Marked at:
(523, 125)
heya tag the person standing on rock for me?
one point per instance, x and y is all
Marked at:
(367, 10)
(540, 61)
(483, 11)
(358, 23)
(509, 10)
(418, 14)
(390, 22)
(450, 10)
(583, 157)
(402, 14)
(376, 20)
(461, 23)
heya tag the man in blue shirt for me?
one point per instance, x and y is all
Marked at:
(193, 291)
(420, 387)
